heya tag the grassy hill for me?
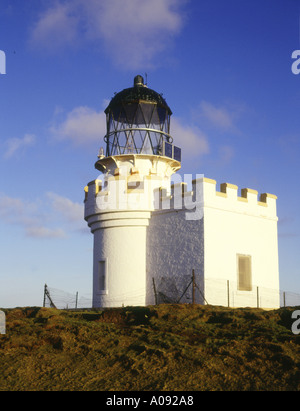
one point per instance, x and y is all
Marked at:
(165, 347)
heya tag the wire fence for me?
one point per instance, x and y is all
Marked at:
(227, 293)
(215, 292)
(56, 298)
(289, 299)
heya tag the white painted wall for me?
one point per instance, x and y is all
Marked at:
(231, 225)
(120, 240)
(140, 244)
(174, 249)
(235, 225)
(118, 216)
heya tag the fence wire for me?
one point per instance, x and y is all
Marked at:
(54, 297)
(289, 299)
(215, 292)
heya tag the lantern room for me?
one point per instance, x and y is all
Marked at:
(138, 122)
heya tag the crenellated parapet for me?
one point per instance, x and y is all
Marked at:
(138, 191)
(247, 202)
(205, 194)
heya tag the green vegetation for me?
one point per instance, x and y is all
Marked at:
(165, 347)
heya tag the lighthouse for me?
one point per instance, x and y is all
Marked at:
(155, 241)
(136, 169)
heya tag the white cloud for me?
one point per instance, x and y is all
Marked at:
(17, 211)
(70, 210)
(133, 32)
(82, 125)
(192, 140)
(14, 146)
(223, 120)
(41, 218)
(218, 116)
(44, 232)
(26, 215)
(56, 28)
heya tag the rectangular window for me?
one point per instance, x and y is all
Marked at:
(244, 272)
(102, 280)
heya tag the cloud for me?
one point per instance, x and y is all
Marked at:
(56, 28)
(26, 215)
(44, 232)
(192, 140)
(16, 146)
(17, 211)
(71, 211)
(83, 125)
(218, 116)
(39, 219)
(133, 32)
(223, 118)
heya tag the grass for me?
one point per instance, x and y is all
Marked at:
(165, 347)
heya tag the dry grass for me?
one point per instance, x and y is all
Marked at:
(166, 347)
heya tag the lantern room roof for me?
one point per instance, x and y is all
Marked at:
(139, 92)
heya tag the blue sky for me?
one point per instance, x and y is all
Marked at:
(224, 68)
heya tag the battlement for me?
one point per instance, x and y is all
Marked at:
(147, 192)
(247, 202)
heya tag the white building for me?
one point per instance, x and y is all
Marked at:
(156, 241)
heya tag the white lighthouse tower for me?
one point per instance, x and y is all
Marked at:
(151, 236)
(137, 167)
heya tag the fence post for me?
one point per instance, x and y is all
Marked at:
(76, 299)
(44, 302)
(177, 302)
(194, 288)
(257, 296)
(154, 288)
(284, 298)
(228, 301)
(47, 293)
